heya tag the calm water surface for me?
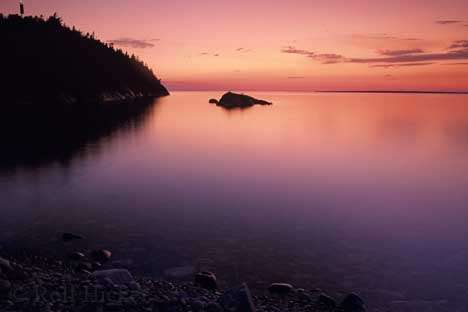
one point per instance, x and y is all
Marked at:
(345, 192)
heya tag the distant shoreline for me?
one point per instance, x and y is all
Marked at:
(396, 92)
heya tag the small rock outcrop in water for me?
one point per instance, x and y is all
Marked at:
(280, 288)
(213, 101)
(232, 100)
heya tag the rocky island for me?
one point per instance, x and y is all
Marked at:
(233, 100)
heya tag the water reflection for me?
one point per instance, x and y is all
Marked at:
(32, 141)
(344, 192)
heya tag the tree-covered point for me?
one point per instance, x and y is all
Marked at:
(45, 59)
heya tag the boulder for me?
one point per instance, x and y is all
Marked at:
(353, 303)
(206, 280)
(232, 100)
(237, 299)
(213, 101)
(280, 288)
(326, 301)
(102, 255)
(68, 237)
(115, 277)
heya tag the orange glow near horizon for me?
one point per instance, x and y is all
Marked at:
(297, 45)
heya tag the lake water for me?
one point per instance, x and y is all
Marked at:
(343, 192)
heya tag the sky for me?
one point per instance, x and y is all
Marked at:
(295, 45)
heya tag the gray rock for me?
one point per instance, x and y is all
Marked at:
(115, 277)
(206, 280)
(237, 299)
(280, 288)
(353, 303)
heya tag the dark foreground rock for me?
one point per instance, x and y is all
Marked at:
(206, 280)
(280, 288)
(237, 299)
(233, 100)
(353, 303)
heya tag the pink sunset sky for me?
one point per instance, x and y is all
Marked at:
(300, 45)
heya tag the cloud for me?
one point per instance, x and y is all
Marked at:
(133, 43)
(324, 58)
(400, 52)
(459, 44)
(448, 22)
(293, 50)
(459, 51)
(459, 64)
(239, 49)
(216, 54)
(295, 77)
(383, 37)
(410, 58)
(401, 65)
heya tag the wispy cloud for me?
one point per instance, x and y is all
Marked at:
(401, 65)
(133, 43)
(458, 51)
(409, 58)
(324, 58)
(296, 77)
(459, 44)
(400, 52)
(448, 22)
(458, 64)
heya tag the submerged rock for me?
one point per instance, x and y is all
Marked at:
(237, 299)
(180, 273)
(68, 237)
(115, 277)
(206, 280)
(101, 256)
(280, 288)
(353, 303)
(213, 101)
(231, 100)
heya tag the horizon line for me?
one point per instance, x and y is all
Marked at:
(330, 91)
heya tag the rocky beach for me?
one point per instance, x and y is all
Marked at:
(80, 282)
